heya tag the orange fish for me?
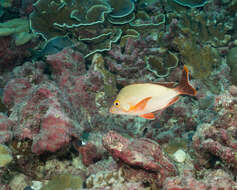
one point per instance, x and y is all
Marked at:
(144, 99)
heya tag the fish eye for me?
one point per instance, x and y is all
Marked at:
(116, 103)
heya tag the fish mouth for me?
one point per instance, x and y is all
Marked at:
(115, 110)
(112, 109)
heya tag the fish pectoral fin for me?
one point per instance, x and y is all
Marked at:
(140, 105)
(148, 116)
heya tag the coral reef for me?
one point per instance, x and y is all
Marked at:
(217, 140)
(95, 26)
(41, 116)
(63, 62)
(217, 179)
(150, 61)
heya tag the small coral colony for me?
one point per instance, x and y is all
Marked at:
(118, 94)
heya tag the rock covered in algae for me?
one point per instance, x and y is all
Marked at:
(5, 155)
(19, 182)
(63, 182)
(180, 156)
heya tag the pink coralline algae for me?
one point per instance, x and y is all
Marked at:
(72, 78)
(49, 111)
(218, 139)
(5, 128)
(89, 153)
(216, 179)
(38, 110)
(140, 153)
(43, 119)
(129, 64)
(15, 91)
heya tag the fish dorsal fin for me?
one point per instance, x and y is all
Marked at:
(166, 84)
(148, 116)
(140, 105)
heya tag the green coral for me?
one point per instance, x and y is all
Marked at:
(62, 182)
(232, 62)
(201, 60)
(18, 28)
(5, 155)
(108, 77)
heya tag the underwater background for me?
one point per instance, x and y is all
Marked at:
(62, 64)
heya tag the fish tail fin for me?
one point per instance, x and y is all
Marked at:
(184, 87)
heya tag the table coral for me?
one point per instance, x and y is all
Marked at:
(191, 4)
(121, 9)
(95, 23)
(70, 14)
(142, 153)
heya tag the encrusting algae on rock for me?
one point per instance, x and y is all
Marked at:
(5, 155)
(63, 182)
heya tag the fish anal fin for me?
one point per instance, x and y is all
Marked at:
(175, 99)
(148, 116)
(140, 105)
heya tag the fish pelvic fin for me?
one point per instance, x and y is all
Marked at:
(150, 116)
(140, 105)
(184, 87)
